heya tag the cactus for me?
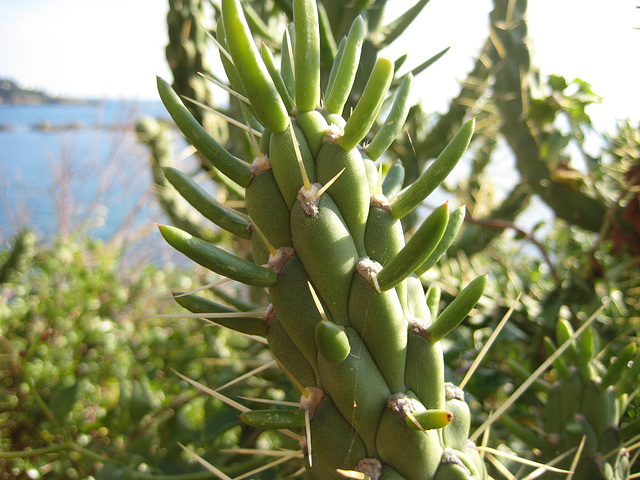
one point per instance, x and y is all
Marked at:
(586, 402)
(584, 407)
(349, 320)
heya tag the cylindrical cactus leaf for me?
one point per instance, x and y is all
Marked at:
(367, 108)
(206, 204)
(255, 78)
(307, 55)
(424, 240)
(196, 304)
(284, 162)
(458, 309)
(393, 180)
(345, 68)
(406, 201)
(394, 122)
(216, 259)
(218, 156)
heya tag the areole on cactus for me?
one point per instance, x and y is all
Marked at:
(349, 320)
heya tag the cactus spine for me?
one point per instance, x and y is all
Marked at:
(349, 319)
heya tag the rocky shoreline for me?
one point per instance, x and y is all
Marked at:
(11, 93)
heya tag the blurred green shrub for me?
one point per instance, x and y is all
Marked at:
(87, 381)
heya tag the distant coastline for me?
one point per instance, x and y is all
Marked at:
(11, 93)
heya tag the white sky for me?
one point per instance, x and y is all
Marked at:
(115, 48)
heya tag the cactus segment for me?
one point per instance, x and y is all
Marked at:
(307, 55)
(345, 68)
(232, 167)
(394, 121)
(456, 219)
(315, 127)
(384, 236)
(270, 64)
(379, 320)
(367, 108)
(407, 200)
(216, 259)
(357, 377)
(349, 192)
(417, 249)
(422, 458)
(247, 325)
(456, 434)
(452, 467)
(291, 298)
(273, 419)
(267, 208)
(458, 309)
(205, 204)
(258, 85)
(424, 374)
(328, 253)
(333, 439)
(288, 355)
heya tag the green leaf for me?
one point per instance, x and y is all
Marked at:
(63, 400)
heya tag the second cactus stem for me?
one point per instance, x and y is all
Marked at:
(349, 320)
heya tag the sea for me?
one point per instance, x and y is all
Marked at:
(66, 168)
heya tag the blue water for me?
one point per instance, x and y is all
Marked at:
(92, 176)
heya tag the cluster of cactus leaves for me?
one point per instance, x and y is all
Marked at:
(349, 322)
(583, 406)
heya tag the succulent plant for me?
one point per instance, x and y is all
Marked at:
(349, 320)
(584, 407)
